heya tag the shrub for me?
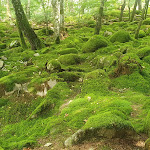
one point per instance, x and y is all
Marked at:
(120, 36)
(94, 44)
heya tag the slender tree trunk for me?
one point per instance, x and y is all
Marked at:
(141, 21)
(45, 15)
(122, 9)
(61, 15)
(99, 18)
(134, 9)
(8, 10)
(56, 11)
(25, 26)
(129, 10)
(139, 5)
(23, 43)
(146, 8)
(28, 9)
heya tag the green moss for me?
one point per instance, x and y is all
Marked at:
(105, 61)
(135, 82)
(147, 123)
(69, 59)
(43, 31)
(143, 52)
(54, 66)
(120, 36)
(3, 102)
(147, 21)
(69, 76)
(107, 120)
(142, 34)
(68, 51)
(2, 46)
(2, 34)
(94, 44)
(96, 86)
(147, 144)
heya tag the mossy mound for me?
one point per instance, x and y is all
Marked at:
(142, 34)
(69, 59)
(2, 45)
(147, 21)
(120, 36)
(147, 59)
(53, 66)
(94, 44)
(68, 51)
(69, 76)
(128, 63)
(143, 52)
(105, 61)
(44, 31)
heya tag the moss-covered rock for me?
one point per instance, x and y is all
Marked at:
(143, 52)
(128, 63)
(69, 76)
(94, 44)
(142, 34)
(147, 21)
(69, 59)
(2, 45)
(105, 61)
(120, 36)
(54, 66)
(68, 51)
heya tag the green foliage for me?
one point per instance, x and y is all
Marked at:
(143, 52)
(69, 59)
(94, 43)
(3, 102)
(68, 51)
(147, 123)
(120, 36)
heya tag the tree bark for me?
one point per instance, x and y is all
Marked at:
(122, 9)
(28, 9)
(139, 5)
(146, 8)
(25, 26)
(8, 10)
(134, 9)
(56, 12)
(129, 10)
(99, 18)
(61, 15)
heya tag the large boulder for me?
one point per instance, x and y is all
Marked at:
(120, 36)
(94, 44)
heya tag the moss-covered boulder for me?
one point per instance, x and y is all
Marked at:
(69, 76)
(53, 66)
(69, 59)
(143, 52)
(68, 51)
(105, 61)
(94, 44)
(2, 45)
(142, 34)
(120, 36)
(128, 63)
(147, 21)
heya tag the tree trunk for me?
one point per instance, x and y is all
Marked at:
(99, 18)
(146, 8)
(25, 26)
(139, 5)
(61, 15)
(45, 15)
(56, 11)
(28, 9)
(129, 10)
(134, 9)
(8, 10)
(122, 9)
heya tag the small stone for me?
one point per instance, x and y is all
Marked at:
(36, 54)
(1, 64)
(48, 144)
(3, 58)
